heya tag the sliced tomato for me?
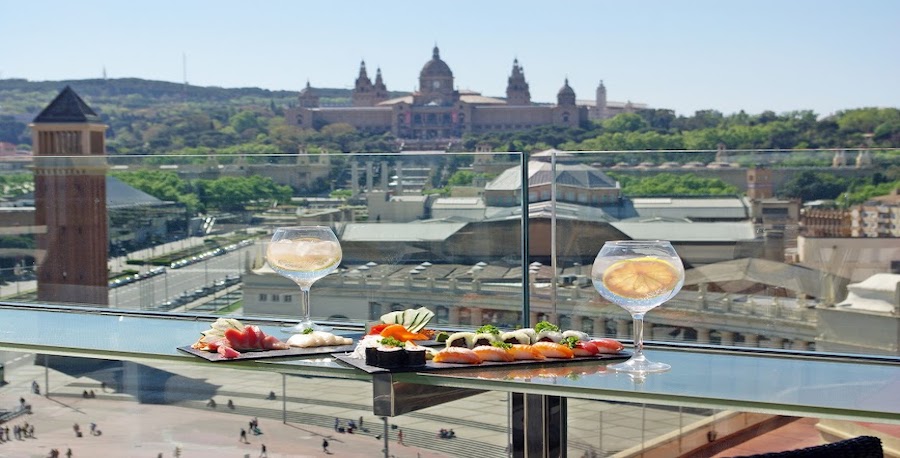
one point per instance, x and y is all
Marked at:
(376, 330)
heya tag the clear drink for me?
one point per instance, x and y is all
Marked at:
(638, 276)
(639, 284)
(304, 254)
(304, 259)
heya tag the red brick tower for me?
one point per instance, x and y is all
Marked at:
(70, 202)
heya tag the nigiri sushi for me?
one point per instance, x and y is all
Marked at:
(483, 338)
(525, 352)
(583, 348)
(531, 333)
(492, 353)
(457, 355)
(461, 339)
(515, 337)
(549, 336)
(605, 345)
(580, 335)
(553, 350)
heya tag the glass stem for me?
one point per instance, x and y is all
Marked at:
(638, 320)
(304, 303)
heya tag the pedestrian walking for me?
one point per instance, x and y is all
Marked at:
(325, 445)
(400, 437)
(243, 435)
(68, 453)
(337, 422)
(262, 453)
(360, 422)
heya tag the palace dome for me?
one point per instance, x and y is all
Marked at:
(566, 90)
(435, 66)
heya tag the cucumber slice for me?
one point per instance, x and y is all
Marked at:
(413, 320)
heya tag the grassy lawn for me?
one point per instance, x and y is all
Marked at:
(231, 308)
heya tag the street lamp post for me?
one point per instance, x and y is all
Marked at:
(386, 439)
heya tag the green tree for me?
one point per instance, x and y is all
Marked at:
(668, 184)
(808, 185)
(625, 122)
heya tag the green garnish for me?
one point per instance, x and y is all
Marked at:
(488, 329)
(392, 342)
(308, 330)
(570, 341)
(503, 345)
(545, 326)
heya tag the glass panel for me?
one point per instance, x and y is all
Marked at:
(774, 255)
(189, 234)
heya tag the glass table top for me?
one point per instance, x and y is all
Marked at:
(774, 382)
(737, 381)
(103, 333)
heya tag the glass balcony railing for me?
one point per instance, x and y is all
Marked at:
(777, 252)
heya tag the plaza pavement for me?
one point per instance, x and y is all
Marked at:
(181, 418)
(131, 429)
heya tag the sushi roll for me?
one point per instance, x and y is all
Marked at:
(483, 338)
(461, 339)
(391, 357)
(492, 353)
(458, 355)
(531, 333)
(415, 354)
(549, 336)
(515, 337)
(576, 334)
(371, 356)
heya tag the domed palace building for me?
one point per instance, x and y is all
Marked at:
(437, 110)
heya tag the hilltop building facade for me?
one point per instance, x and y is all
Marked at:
(438, 110)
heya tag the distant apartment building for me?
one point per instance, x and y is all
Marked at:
(879, 217)
(438, 110)
(825, 222)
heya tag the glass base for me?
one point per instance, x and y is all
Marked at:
(639, 365)
(302, 326)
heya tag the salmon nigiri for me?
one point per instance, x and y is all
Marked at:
(606, 345)
(492, 353)
(457, 355)
(554, 350)
(524, 352)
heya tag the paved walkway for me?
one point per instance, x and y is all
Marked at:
(129, 429)
(181, 417)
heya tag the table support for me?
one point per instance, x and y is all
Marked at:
(538, 425)
(391, 398)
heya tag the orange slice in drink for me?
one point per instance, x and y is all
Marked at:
(640, 278)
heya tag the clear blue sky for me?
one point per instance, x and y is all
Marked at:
(728, 55)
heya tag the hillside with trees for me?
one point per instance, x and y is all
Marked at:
(191, 123)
